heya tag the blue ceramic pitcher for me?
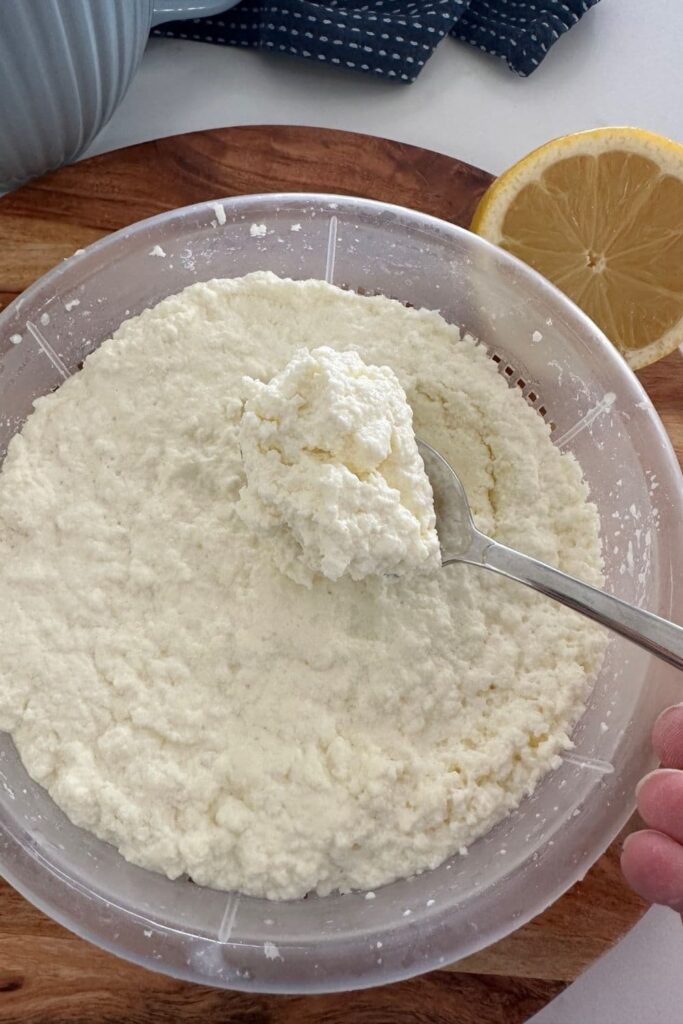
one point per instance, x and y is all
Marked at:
(65, 66)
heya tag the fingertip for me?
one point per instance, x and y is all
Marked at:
(667, 737)
(652, 864)
(659, 797)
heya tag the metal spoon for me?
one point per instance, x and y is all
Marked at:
(462, 542)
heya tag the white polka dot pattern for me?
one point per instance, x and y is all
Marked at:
(385, 37)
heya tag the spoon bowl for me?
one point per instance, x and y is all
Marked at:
(459, 538)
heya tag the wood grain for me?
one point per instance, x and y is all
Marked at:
(48, 219)
(663, 382)
(49, 975)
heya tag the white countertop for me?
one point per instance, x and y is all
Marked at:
(465, 103)
(468, 105)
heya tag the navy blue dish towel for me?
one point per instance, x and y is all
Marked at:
(388, 38)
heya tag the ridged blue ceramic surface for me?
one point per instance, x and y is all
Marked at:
(65, 65)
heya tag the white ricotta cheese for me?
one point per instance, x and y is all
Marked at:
(185, 701)
(219, 210)
(334, 476)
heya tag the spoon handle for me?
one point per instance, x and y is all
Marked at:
(657, 635)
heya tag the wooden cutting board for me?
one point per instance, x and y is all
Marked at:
(47, 975)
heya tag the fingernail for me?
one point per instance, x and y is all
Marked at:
(667, 711)
(626, 841)
(656, 771)
(641, 782)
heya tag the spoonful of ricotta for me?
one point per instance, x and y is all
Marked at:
(335, 482)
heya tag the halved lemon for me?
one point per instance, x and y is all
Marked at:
(600, 213)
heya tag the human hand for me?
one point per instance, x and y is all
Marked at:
(652, 859)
